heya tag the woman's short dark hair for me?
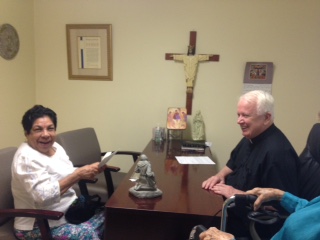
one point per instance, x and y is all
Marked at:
(37, 111)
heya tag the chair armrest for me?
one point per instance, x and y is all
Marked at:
(41, 216)
(32, 213)
(112, 169)
(89, 181)
(83, 185)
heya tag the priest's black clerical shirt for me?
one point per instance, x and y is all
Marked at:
(268, 160)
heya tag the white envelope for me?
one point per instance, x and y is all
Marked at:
(106, 158)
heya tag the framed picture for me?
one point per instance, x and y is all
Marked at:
(258, 73)
(176, 118)
(89, 51)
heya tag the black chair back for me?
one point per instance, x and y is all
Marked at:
(309, 186)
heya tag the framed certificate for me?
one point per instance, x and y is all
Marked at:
(89, 50)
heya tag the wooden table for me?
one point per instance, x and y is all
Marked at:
(183, 204)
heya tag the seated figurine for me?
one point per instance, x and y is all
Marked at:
(145, 183)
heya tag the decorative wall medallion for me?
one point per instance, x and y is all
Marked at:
(9, 41)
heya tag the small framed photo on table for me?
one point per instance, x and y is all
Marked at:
(89, 51)
(177, 118)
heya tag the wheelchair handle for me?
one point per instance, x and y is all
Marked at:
(230, 202)
(225, 206)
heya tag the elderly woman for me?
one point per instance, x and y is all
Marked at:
(42, 178)
(303, 223)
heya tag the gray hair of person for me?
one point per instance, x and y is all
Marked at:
(264, 100)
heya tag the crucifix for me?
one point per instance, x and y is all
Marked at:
(190, 66)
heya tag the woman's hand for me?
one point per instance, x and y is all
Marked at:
(265, 195)
(215, 234)
(89, 171)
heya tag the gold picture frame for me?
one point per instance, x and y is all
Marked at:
(89, 51)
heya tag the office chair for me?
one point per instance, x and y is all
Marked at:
(309, 186)
(82, 147)
(7, 211)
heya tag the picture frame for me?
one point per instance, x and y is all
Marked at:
(177, 118)
(89, 51)
(258, 73)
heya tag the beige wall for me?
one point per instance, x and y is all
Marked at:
(17, 76)
(123, 111)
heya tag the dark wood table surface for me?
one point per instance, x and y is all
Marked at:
(183, 204)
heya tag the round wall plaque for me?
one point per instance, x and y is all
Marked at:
(9, 41)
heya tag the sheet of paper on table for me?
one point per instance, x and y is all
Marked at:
(194, 160)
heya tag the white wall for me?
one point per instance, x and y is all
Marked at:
(17, 76)
(124, 110)
(145, 85)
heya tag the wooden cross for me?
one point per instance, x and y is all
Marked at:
(192, 46)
